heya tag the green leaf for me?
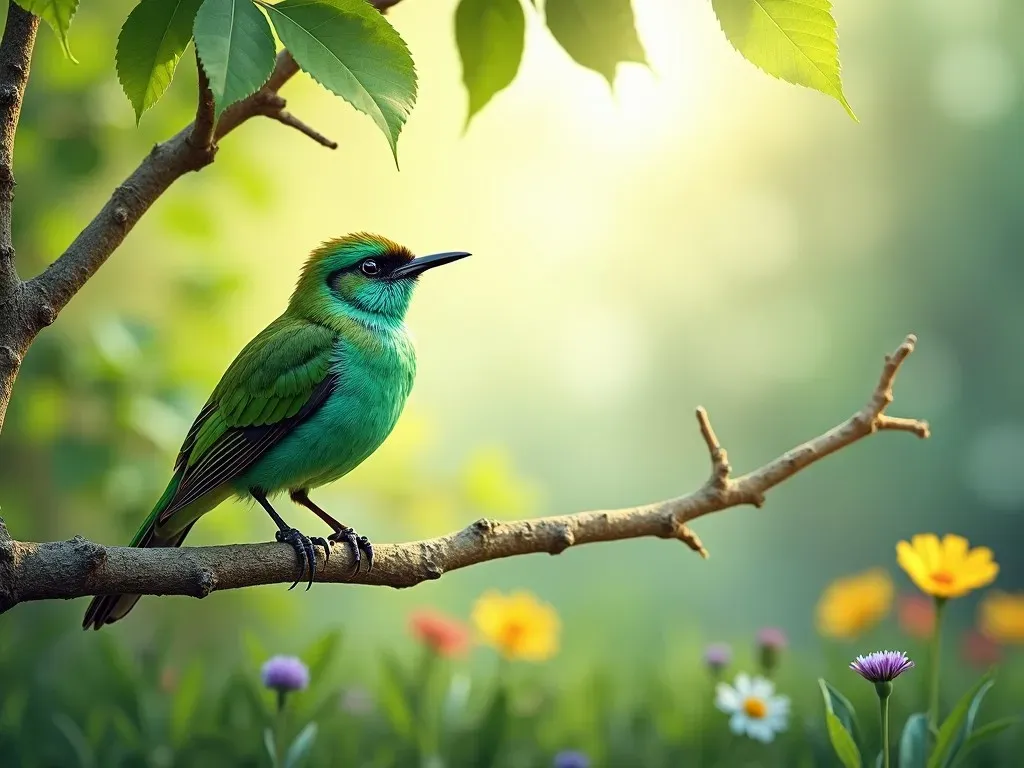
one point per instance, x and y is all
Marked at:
(351, 50)
(236, 48)
(951, 729)
(490, 35)
(151, 42)
(300, 748)
(78, 741)
(491, 731)
(842, 741)
(255, 652)
(968, 727)
(394, 695)
(984, 733)
(186, 698)
(598, 34)
(56, 13)
(837, 703)
(794, 40)
(914, 742)
(319, 655)
(270, 746)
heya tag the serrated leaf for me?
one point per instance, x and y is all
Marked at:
(301, 747)
(351, 49)
(794, 40)
(984, 733)
(490, 35)
(58, 14)
(914, 742)
(151, 42)
(236, 48)
(598, 34)
(837, 703)
(842, 741)
(957, 719)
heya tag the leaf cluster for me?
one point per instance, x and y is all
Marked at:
(957, 737)
(353, 51)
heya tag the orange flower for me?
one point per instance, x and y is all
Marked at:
(518, 625)
(444, 635)
(946, 568)
(852, 605)
(1002, 617)
(979, 649)
(917, 616)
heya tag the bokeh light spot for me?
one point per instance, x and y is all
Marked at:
(993, 466)
(974, 82)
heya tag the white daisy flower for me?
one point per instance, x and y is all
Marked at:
(754, 708)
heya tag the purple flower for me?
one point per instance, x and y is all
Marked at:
(770, 642)
(881, 666)
(571, 759)
(285, 673)
(717, 656)
(771, 637)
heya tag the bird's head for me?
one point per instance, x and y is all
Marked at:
(363, 276)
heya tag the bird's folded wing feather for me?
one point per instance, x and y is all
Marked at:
(281, 378)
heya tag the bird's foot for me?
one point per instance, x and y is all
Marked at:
(304, 549)
(358, 544)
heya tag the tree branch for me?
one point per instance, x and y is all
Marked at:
(191, 149)
(15, 57)
(77, 568)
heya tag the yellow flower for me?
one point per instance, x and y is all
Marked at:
(1002, 617)
(518, 625)
(946, 568)
(852, 605)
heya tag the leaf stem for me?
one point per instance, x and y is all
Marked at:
(279, 728)
(884, 691)
(934, 661)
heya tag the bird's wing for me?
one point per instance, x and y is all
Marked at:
(281, 378)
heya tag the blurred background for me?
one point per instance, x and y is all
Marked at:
(704, 235)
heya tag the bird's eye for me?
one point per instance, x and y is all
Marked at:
(370, 268)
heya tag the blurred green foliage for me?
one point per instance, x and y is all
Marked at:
(405, 706)
(763, 283)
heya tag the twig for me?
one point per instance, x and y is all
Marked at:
(201, 138)
(287, 118)
(164, 165)
(78, 567)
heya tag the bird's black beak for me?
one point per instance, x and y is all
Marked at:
(423, 263)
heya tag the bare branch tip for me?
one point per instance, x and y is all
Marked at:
(287, 118)
(707, 431)
(686, 535)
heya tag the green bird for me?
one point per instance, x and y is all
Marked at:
(304, 403)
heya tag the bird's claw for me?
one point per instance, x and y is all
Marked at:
(304, 548)
(358, 544)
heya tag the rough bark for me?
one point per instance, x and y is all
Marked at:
(76, 568)
(15, 56)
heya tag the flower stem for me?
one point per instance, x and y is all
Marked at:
(279, 730)
(936, 652)
(884, 691)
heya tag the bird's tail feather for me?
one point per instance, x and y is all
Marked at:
(106, 609)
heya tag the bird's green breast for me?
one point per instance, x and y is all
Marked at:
(375, 372)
